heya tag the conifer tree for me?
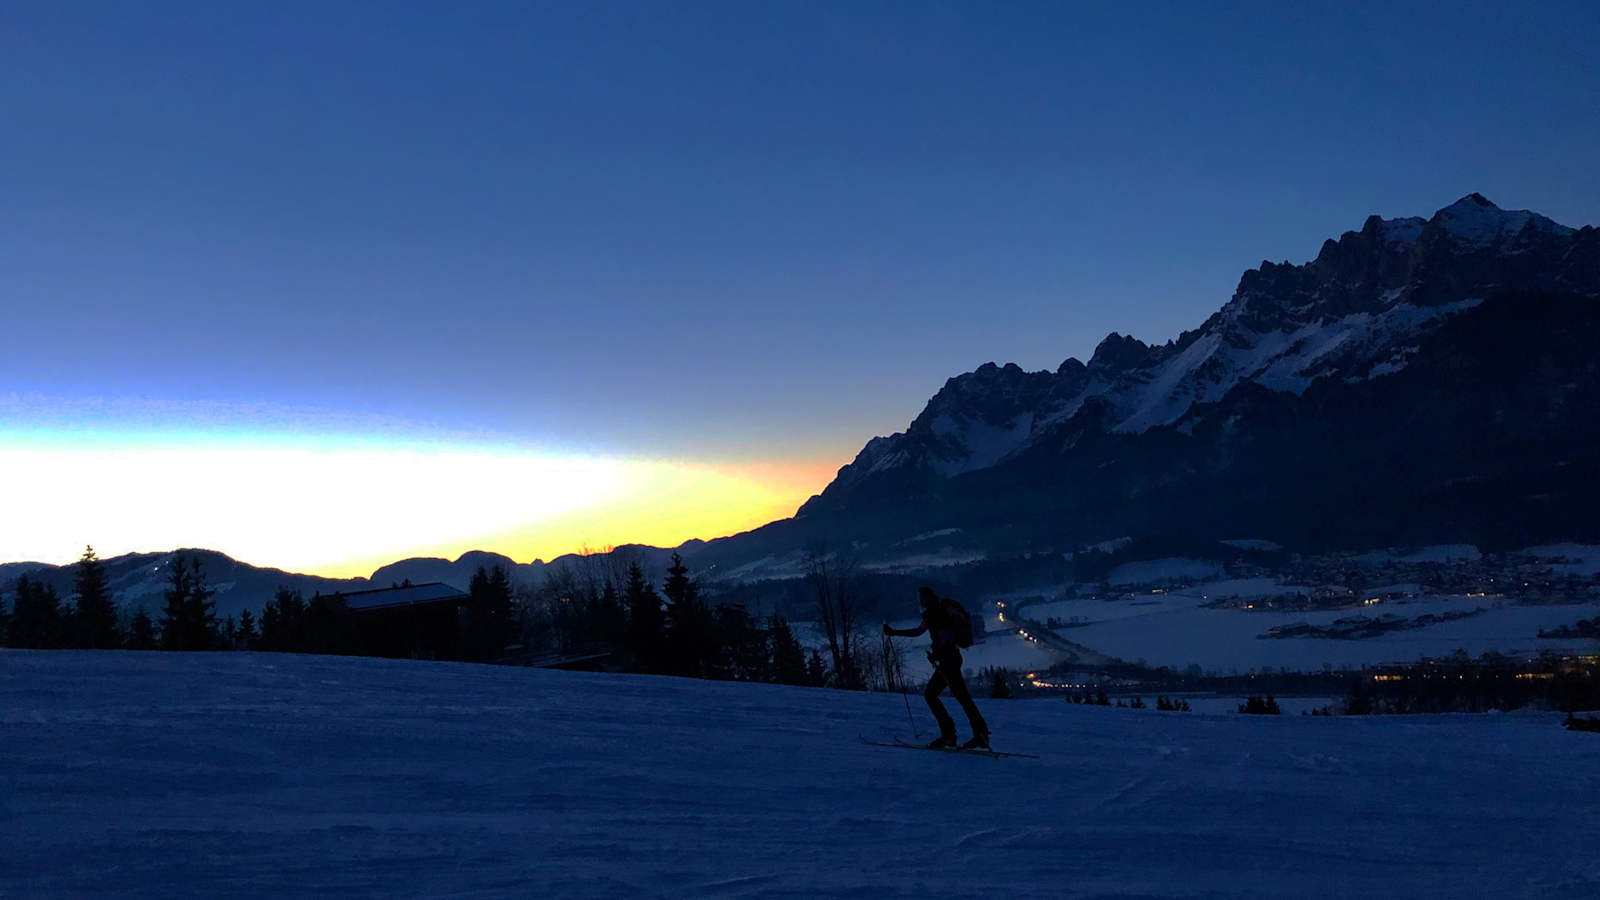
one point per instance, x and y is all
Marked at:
(816, 669)
(141, 632)
(96, 614)
(645, 621)
(37, 619)
(490, 623)
(609, 619)
(202, 612)
(188, 618)
(175, 609)
(738, 649)
(999, 683)
(788, 657)
(5, 623)
(283, 626)
(690, 642)
(246, 637)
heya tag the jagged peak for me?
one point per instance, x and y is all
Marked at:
(1286, 325)
(1476, 222)
(1118, 351)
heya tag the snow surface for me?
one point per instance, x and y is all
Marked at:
(1225, 640)
(986, 444)
(1477, 223)
(1277, 360)
(1583, 559)
(207, 775)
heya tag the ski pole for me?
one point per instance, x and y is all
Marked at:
(900, 676)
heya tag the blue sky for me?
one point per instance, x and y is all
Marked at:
(715, 234)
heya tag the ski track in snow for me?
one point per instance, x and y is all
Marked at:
(166, 774)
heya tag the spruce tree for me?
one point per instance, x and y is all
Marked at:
(175, 609)
(37, 619)
(816, 669)
(490, 624)
(246, 637)
(645, 621)
(188, 618)
(96, 615)
(141, 632)
(283, 623)
(788, 657)
(205, 632)
(690, 642)
(609, 619)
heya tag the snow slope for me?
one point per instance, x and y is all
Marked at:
(233, 774)
(1225, 640)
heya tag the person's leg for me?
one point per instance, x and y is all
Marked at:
(958, 689)
(947, 725)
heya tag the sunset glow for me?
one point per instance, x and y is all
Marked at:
(343, 508)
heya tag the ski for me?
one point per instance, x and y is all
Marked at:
(974, 751)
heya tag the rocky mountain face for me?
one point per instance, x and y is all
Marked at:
(1420, 381)
(1443, 349)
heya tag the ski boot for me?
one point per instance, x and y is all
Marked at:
(942, 742)
(979, 742)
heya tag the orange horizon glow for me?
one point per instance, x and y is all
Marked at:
(744, 496)
(342, 509)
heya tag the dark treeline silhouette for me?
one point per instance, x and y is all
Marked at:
(598, 609)
(1260, 706)
(602, 603)
(39, 618)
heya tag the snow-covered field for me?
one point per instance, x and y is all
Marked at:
(1174, 628)
(1582, 559)
(1224, 640)
(253, 774)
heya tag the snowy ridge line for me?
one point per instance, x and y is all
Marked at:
(1353, 313)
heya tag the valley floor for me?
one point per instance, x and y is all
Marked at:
(164, 774)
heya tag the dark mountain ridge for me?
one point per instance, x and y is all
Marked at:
(1419, 381)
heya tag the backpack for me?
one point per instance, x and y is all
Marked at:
(960, 622)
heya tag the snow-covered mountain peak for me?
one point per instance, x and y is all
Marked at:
(1395, 234)
(1356, 312)
(1477, 224)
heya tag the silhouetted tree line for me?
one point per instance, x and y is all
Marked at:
(1260, 706)
(1584, 628)
(672, 630)
(598, 603)
(999, 681)
(39, 618)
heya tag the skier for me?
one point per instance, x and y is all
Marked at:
(940, 621)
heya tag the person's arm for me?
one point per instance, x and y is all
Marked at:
(905, 632)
